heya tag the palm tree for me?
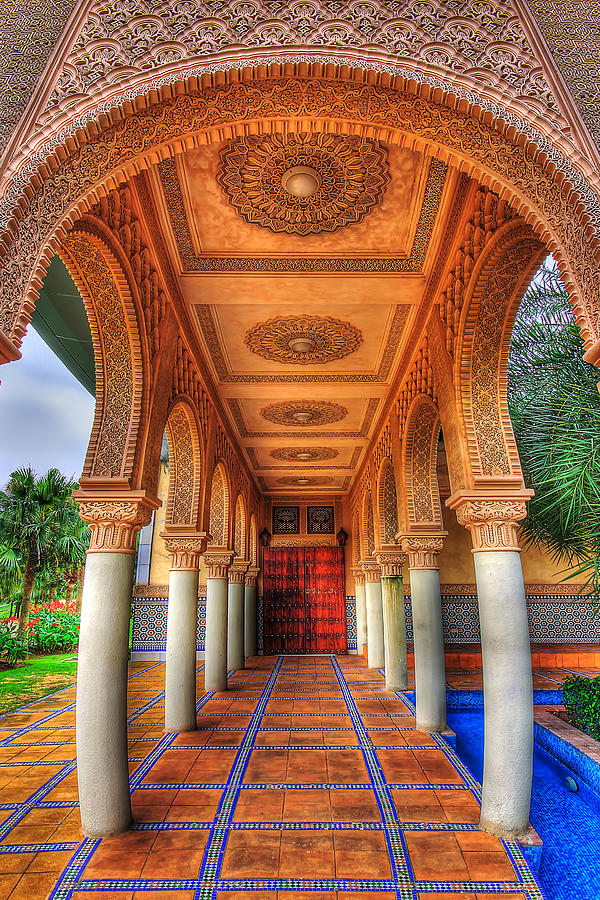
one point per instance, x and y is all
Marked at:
(34, 511)
(555, 409)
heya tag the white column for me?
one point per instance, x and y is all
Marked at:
(235, 615)
(101, 713)
(428, 634)
(361, 609)
(250, 612)
(394, 624)
(507, 679)
(375, 644)
(215, 652)
(182, 617)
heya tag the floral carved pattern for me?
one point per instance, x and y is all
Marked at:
(353, 174)
(315, 454)
(423, 498)
(330, 339)
(114, 524)
(218, 509)
(320, 413)
(185, 551)
(493, 524)
(181, 508)
(305, 481)
(422, 551)
(388, 503)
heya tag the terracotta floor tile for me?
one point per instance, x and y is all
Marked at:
(418, 806)
(478, 840)
(307, 806)
(259, 806)
(186, 839)
(436, 856)
(306, 854)
(51, 861)
(15, 862)
(251, 854)
(38, 885)
(163, 863)
(7, 883)
(115, 863)
(362, 864)
(491, 865)
(354, 806)
(459, 806)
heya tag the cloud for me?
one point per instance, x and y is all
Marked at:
(45, 414)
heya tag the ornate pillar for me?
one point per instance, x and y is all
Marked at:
(101, 716)
(361, 608)
(375, 643)
(182, 618)
(394, 624)
(235, 614)
(428, 633)
(250, 611)
(217, 561)
(507, 680)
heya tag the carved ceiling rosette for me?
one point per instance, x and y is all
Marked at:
(303, 340)
(303, 183)
(304, 454)
(309, 481)
(304, 412)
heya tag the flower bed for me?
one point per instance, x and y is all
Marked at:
(52, 628)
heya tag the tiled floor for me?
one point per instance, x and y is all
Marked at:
(306, 779)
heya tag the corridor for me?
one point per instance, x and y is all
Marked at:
(305, 779)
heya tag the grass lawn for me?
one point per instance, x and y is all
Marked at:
(36, 677)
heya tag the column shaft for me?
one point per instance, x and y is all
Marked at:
(361, 616)
(101, 714)
(430, 667)
(180, 678)
(235, 625)
(250, 620)
(215, 655)
(375, 654)
(507, 692)
(394, 633)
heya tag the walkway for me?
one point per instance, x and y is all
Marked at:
(305, 780)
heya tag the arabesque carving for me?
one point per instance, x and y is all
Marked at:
(185, 551)
(493, 524)
(251, 576)
(372, 570)
(391, 562)
(237, 571)
(359, 575)
(423, 551)
(114, 524)
(329, 339)
(319, 412)
(297, 454)
(420, 459)
(182, 505)
(217, 562)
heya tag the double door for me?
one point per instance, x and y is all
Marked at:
(304, 604)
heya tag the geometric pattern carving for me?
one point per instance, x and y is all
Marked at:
(305, 481)
(353, 175)
(219, 508)
(286, 520)
(388, 503)
(422, 431)
(368, 532)
(113, 524)
(320, 520)
(493, 524)
(181, 508)
(330, 339)
(298, 454)
(320, 412)
(239, 534)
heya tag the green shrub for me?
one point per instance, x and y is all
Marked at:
(582, 701)
(12, 650)
(53, 629)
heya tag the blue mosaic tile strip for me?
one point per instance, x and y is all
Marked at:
(38, 848)
(63, 889)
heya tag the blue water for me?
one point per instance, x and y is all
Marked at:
(569, 827)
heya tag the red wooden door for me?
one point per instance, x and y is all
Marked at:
(304, 604)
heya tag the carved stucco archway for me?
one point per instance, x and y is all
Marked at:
(567, 221)
(119, 356)
(387, 503)
(185, 465)
(219, 506)
(367, 543)
(419, 467)
(253, 542)
(239, 528)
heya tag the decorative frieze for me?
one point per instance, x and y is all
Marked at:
(237, 571)
(113, 523)
(372, 570)
(493, 524)
(185, 550)
(422, 551)
(217, 562)
(391, 562)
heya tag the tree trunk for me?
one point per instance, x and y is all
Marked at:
(28, 583)
(69, 591)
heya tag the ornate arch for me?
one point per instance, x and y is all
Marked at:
(253, 542)
(387, 503)
(367, 545)
(121, 377)
(522, 167)
(239, 528)
(492, 298)
(219, 506)
(419, 463)
(185, 465)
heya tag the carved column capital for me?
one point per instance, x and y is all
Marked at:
(115, 521)
(251, 576)
(185, 550)
(359, 575)
(217, 561)
(391, 562)
(372, 570)
(237, 571)
(422, 550)
(493, 524)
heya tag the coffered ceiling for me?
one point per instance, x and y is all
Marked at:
(304, 261)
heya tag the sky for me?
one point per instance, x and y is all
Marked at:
(45, 414)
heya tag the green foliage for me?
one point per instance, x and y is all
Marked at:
(555, 410)
(582, 701)
(12, 649)
(53, 629)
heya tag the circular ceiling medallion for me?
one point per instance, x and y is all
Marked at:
(303, 339)
(304, 412)
(305, 481)
(304, 454)
(303, 183)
